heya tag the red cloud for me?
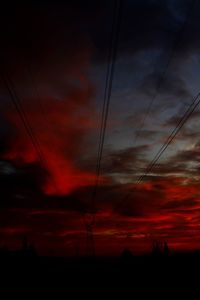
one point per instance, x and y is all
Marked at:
(60, 134)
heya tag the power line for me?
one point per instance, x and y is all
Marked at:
(108, 86)
(89, 218)
(195, 103)
(162, 76)
(18, 106)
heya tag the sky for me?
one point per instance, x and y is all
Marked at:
(54, 57)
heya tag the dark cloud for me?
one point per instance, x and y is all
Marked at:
(21, 184)
(125, 160)
(187, 156)
(155, 25)
(138, 202)
(184, 204)
(146, 25)
(174, 120)
(148, 134)
(169, 168)
(167, 86)
(184, 163)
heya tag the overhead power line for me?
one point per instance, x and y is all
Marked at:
(110, 50)
(176, 41)
(112, 54)
(17, 104)
(22, 114)
(195, 103)
(89, 218)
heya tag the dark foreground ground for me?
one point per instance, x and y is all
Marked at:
(134, 277)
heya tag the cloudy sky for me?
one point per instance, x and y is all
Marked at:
(53, 75)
